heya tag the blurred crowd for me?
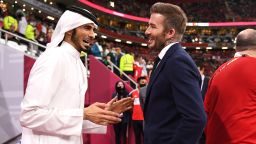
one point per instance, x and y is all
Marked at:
(144, 57)
(27, 26)
(200, 11)
(40, 31)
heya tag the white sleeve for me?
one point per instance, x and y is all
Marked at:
(36, 114)
(92, 128)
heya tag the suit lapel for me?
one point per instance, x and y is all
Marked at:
(157, 71)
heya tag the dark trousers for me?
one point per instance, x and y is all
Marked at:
(120, 132)
(138, 130)
(130, 74)
(116, 71)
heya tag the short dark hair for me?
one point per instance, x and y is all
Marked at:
(141, 78)
(175, 17)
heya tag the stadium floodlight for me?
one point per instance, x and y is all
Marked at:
(112, 4)
(117, 40)
(209, 48)
(143, 44)
(128, 42)
(224, 48)
(50, 18)
(103, 36)
(234, 40)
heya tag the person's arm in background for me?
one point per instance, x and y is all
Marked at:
(142, 96)
(121, 65)
(15, 25)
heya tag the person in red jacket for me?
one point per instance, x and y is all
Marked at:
(230, 100)
(137, 115)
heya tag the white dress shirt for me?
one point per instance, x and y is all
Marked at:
(52, 109)
(165, 49)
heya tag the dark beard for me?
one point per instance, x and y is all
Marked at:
(74, 39)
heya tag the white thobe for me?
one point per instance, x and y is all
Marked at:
(52, 109)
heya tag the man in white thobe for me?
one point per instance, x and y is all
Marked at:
(53, 107)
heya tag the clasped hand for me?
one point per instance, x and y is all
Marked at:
(104, 114)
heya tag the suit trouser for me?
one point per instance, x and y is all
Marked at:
(120, 132)
(138, 130)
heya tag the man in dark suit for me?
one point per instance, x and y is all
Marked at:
(204, 86)
(205, 80)
(173, 110)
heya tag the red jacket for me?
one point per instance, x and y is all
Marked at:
(137, 111)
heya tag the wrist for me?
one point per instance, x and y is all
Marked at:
(85, 117)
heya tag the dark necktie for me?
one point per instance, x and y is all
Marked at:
(157, 60)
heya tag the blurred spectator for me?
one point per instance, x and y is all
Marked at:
(30, 32)
(142, 63)
(97, 50)
(205, 80)
(121, 128)
(204, 86)
(126, 65)
(137, 68)
(49, 34)
(118, 55)
(10, 23)
(106, 61)
(41, 38)
(22, 22)
(111, 54)
(137, 113)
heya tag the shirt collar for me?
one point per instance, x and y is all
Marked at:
(238, 54)
(70, 49)
(165, 49)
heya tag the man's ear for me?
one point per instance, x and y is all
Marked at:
(170, 33)
(69, 33)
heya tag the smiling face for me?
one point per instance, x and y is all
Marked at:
(82, 37)
(157, 35)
